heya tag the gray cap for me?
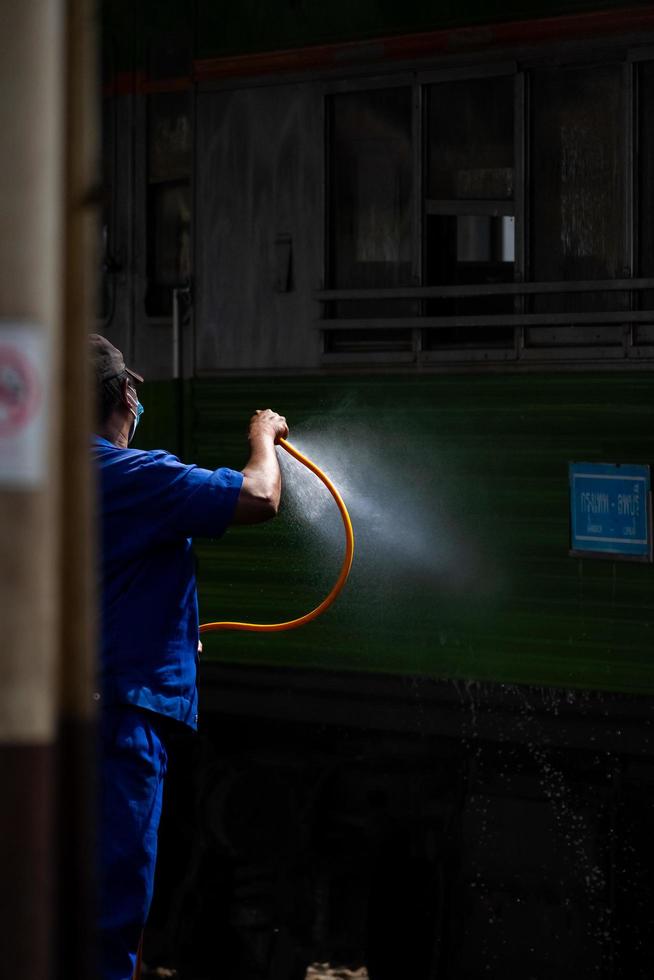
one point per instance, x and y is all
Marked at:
(107, 361)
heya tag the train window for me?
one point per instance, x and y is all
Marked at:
(168, 199)
(469, 248)
(470, 141)
(371, 180)
(370, 219)
(482, 239)
(469, 211)
(520, 255)
(578, 184)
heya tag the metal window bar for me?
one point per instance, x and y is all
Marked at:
(494, 320)
(487, 289)
(492, 209)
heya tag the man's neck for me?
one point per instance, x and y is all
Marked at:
(116, 431)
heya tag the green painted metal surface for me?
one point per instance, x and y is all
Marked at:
(471, 471)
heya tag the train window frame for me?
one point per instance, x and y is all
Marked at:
(576, 340)
(352, 353)
(440, 341)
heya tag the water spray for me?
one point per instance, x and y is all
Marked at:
(292, 624)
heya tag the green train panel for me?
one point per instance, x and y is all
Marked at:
(458, 489)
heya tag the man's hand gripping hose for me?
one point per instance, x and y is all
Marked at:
(292, 624)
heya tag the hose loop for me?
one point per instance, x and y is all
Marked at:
(292, 624)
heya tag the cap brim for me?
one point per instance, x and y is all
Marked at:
(134, 375)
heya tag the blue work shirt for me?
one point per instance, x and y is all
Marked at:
(151, 505)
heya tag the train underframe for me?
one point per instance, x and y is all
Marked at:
(417, 828)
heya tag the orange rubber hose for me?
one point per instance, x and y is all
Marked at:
(292, 624)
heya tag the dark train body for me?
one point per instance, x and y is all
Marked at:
(426, 238)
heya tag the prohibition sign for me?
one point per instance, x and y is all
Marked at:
(19, 391)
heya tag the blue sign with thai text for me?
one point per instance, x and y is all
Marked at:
(610, 509)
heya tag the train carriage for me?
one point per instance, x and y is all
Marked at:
(426, 238)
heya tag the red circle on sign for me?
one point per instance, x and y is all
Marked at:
(19, 391)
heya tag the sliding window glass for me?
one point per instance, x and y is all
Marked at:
(370, 211)
(578, 195)
(469, 206)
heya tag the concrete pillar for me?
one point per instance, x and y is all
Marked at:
(45, 574)
(31, 227)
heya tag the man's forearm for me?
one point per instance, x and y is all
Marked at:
(262, 471)
(262, 481)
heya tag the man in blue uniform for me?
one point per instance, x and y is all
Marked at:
(151, 505)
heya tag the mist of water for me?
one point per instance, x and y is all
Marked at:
(404, 527)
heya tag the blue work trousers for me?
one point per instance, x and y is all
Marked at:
(132, 766)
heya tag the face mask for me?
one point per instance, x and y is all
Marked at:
(137, 413)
